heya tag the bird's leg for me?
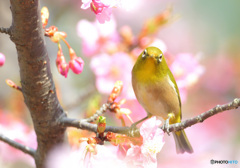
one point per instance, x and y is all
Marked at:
(136, 123)
(166, 123)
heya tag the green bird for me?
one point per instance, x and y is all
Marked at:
(157, 91)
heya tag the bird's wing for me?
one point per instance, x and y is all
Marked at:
(171, 77)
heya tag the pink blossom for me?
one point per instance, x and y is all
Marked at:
(104, 156)
(62, 66)
(2, 59)
(76, 65)
(63, 156)
(186, 70)
(18, 131)
(109, 69)
(132, 5)
(145, 155)
(105, 15)
(102, 8)
(122, 150)
(97, 6)
(107, 156)
(97, 37)
(86, 4)
(138, 111)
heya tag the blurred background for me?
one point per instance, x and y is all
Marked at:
(208, 31)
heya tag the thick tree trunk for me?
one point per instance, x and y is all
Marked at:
(37, 84)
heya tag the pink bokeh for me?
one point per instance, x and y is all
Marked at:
(2, 59)
(111, 68)
(20, 132)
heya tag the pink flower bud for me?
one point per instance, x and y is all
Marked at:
(76, 64)
(63, 69)
(62, 66)
(72, 53)
(2, 59)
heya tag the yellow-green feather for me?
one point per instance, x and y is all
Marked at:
(147, 71)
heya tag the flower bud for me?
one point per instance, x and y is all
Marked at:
(51, 31)
(116, 91)
(101, 125)
(44, 16)
(57, 36)
(97, 6)
(76, 64)
(13, 85)
(62, 66)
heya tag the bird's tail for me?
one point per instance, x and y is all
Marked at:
(182, 143)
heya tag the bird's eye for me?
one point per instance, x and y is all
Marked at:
(159, 59)
(144, 54)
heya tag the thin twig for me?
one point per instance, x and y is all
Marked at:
(17, 145)
(99, 112)
(83, 124)
(5, 30)
(202, 117)
(13, 85)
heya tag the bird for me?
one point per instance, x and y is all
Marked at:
(157, 92)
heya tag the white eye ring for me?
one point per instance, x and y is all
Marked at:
(160, 58)
(144, 54)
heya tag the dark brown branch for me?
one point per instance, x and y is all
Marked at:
(19, 146)
(5, 30)
(37, 84)
(83, 124)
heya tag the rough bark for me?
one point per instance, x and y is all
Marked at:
(36, 79)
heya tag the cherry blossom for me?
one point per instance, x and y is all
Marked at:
(109, 69)
(97, 37)
(186, 70)
(2, 59)
(20, 132)
(145, 155)
(102, 8)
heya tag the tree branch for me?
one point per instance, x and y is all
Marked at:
(202, 117)
(37, 84)
(5, 30)
(19, 146)
(83, 124)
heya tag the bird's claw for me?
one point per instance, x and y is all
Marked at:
(166, 126)
(133, 129)
(134, 125)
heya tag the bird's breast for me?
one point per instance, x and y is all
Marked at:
(158, 98)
